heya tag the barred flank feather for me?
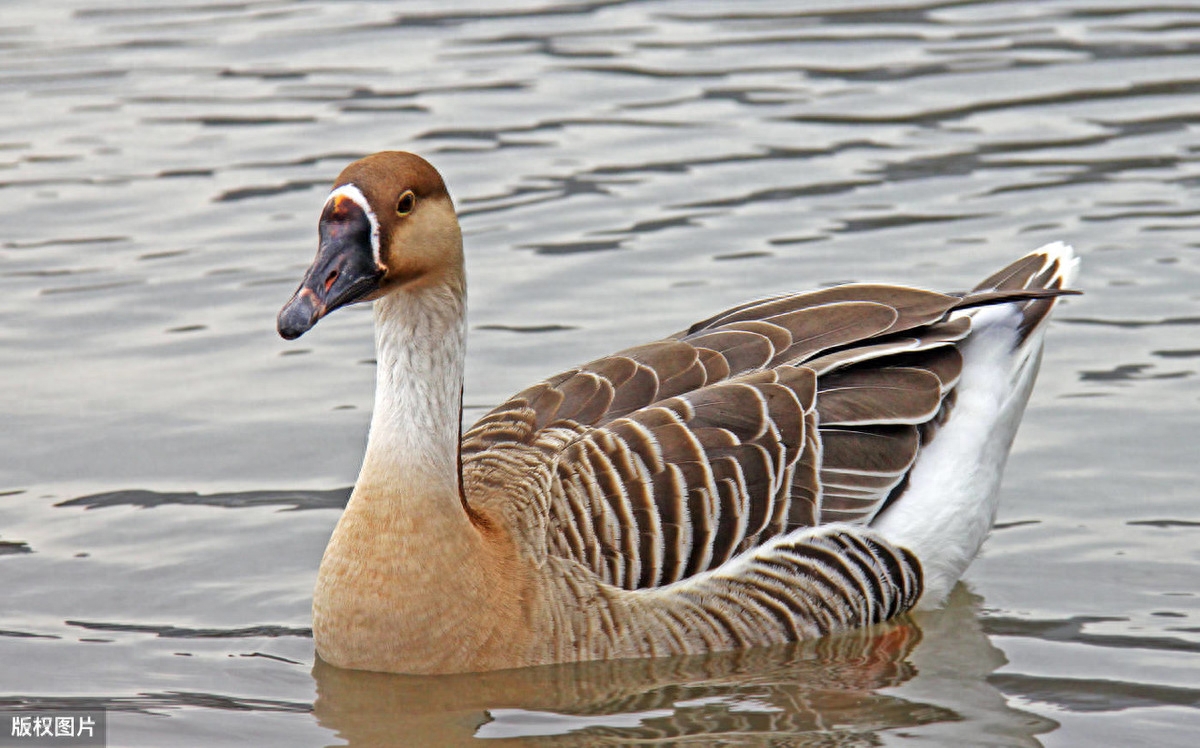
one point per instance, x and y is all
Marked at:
(799, 586)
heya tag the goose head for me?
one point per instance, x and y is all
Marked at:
(388, 225)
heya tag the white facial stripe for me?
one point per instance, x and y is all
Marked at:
(350, 192)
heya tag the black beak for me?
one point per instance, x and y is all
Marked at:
(344, 272)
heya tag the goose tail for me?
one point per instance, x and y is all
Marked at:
(949, 503)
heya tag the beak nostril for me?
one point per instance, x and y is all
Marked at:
(333, 275)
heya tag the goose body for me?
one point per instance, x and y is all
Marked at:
(792, 467)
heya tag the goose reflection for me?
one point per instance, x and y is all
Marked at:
(924, 675)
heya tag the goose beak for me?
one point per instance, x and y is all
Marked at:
(344, 272)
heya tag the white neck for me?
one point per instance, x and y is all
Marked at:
(420, 337)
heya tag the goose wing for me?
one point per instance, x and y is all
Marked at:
(671, 458)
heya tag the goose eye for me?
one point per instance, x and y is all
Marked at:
(407, 201)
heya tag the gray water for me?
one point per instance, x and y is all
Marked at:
(170, 469)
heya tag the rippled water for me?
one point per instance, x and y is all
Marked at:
(170, 470)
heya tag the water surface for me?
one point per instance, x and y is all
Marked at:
(170, 469)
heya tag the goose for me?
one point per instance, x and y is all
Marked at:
(792, 467)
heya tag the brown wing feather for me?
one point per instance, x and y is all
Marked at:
(879, 395)
(713, 461)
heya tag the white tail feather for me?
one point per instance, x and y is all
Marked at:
(950, 503)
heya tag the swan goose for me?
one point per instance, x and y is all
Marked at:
(791, 467)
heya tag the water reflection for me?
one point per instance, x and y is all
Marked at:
(906, 676)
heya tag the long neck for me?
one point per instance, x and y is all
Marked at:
(412, 450)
